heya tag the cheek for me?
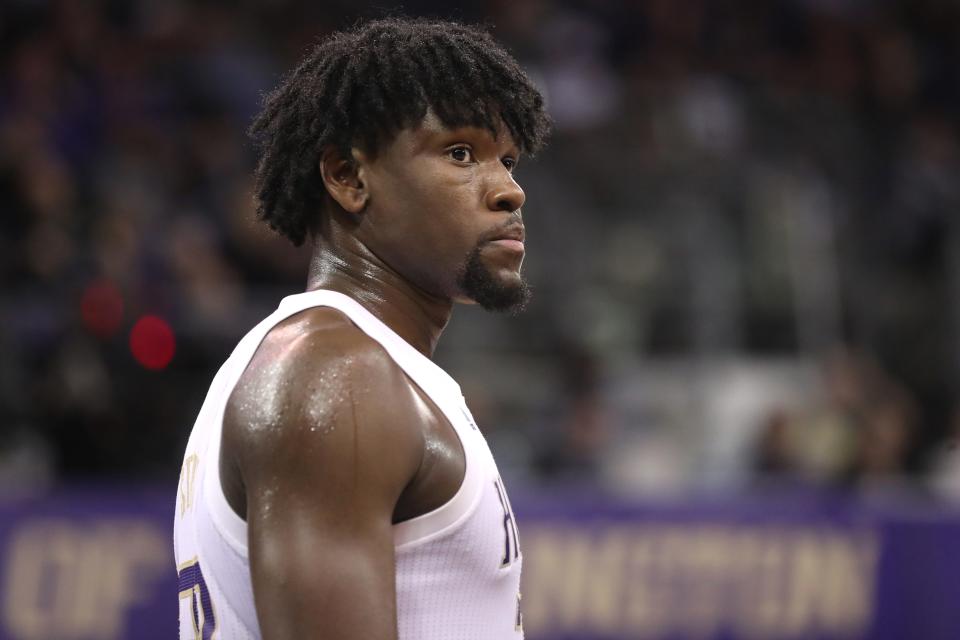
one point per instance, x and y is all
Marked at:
(440, 212)
(427, 229)
(447, 239)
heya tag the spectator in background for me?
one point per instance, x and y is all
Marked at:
(741, 170)
(774, 458)
(577, 429)
(945, 470)
(857, 435)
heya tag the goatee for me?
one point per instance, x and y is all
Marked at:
(491, 293)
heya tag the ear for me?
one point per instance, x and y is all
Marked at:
(343, 178)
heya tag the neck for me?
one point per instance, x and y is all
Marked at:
(353, 270)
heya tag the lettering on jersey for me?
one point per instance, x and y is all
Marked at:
(511, 545)
(192, 586)
(469, 417)
(188, 476)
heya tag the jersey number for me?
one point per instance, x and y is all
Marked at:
(193, 586)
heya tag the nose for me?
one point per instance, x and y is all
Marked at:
(505, 194)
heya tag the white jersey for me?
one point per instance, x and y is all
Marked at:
(457, 567)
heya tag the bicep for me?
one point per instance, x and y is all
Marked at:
(316, 579)
(321, 487)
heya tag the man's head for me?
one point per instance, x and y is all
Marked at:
(411, 128)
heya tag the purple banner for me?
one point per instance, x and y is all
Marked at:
(84, 565)
(787, 567)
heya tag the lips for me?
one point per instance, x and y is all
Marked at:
(509, 243)
(516, 232)
(509, 238)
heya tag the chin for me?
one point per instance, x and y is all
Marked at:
(504, 293)
(494, 289)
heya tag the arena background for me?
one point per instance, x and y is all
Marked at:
(730, 411)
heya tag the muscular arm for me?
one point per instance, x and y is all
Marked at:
(326, 446)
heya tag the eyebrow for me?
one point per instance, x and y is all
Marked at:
(470, 129)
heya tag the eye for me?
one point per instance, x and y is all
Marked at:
(509, 163)
(461, 154)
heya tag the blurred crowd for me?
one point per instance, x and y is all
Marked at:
(732, 185)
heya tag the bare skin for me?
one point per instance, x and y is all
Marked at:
(326, 442)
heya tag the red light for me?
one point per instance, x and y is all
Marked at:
(152, 342)
(101, 308)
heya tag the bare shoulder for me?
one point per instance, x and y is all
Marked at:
(319, 391)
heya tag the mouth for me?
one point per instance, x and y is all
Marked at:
(510, 238)
(510, 244)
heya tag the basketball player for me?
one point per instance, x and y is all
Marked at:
(335, 485)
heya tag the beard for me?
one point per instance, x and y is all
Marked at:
(490, 292)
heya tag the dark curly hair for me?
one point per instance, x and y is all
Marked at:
(359, 88)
